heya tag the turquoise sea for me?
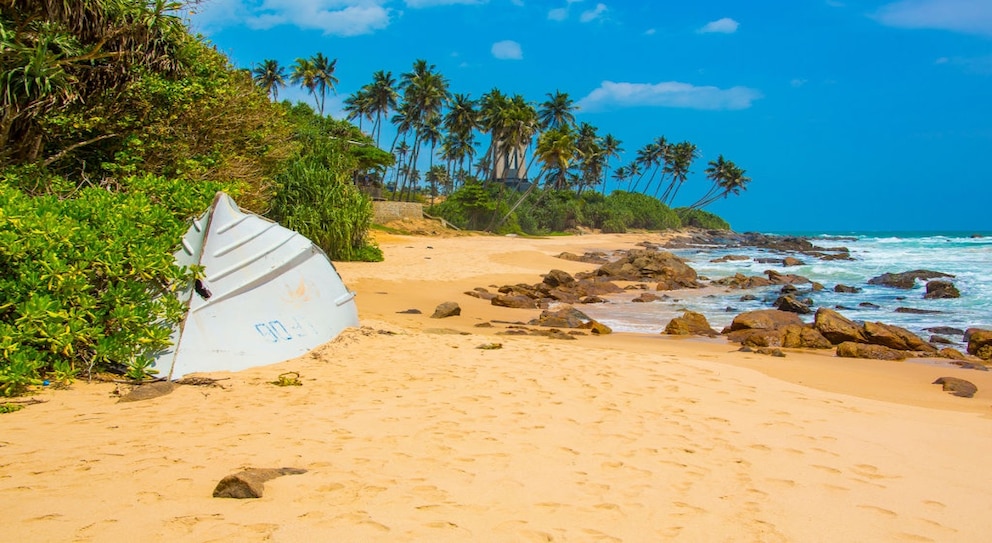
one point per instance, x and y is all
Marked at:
(966, 255)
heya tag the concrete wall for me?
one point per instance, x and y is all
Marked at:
(392, 211)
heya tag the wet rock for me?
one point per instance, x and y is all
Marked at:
(941, 290)
(446, 309)
(850, 349)
(846, 289)
(940, 340)
(906, 280)
(690, 324)
(945, 330)
(957, 387)
(730, 258)
(249, 483)
(792, 305)
(777, 278)
(748, 298)
(791, 261)
(868, 305)
(917, 311)
(646, 297)
(741, 281)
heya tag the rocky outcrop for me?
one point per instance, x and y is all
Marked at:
(792, 305)
(846, 289)
(957, 387)
(894, 337)
(906, 280)
(730, 258)
(646, 297)
(763, 319)
(447, 309)
(741, 281)
(836, 327)
(569, 317)
(850, 349)
(941, 290)
(516, 301)
(667, 270)
(690, 324)
(588, 258)
(979, 343)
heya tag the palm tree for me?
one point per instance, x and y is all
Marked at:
(305, 75)
(269, 75)
(590, 156)
(324, 76)
(556, 149)
(557, 110)
(611, 149)
(425, 93)
(383, 98)
(358, 106)
(682, 155)
(620, 174)
(727, 178)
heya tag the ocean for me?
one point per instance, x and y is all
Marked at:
(962, 254)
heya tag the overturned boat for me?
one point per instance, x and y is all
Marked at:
(267, 294)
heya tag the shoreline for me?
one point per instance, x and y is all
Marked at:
(411, 432)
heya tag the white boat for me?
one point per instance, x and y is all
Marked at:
(268, 294)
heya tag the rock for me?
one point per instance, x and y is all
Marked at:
(592, 300)
(481, 293)
(646, 297)
(777, 278)
(595, 287)
(846, 289)
(957, 387)
(566, 317)
(952, 354)
(668, 270)
(515, 301)
(817, 287)
(941, 290)
(748, 298)
(690, 324)
(771, 351)
(446, 309)
(850, 349)
(915, 311)
(868, 305)
(148, 391)
(803, 337)
(906, 280)
(589, 258)
(792, 305)
(836, 327)
(790, 261)
(941, 340)
(980, 343)
(894, 337)
(556, 278)
(763, 319)
(789, 289)
(945, 330)
(730, 258)
(768, 260)
(741, 281)
(249, 483)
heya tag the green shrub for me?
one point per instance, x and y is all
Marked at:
(701, 219)
(636, 210)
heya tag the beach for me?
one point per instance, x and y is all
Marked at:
(409, 431)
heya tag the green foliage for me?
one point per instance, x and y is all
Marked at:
(636, 210)
(82, 279)
(10, 407)
(472, 207)
(701, 219)
(140, 369)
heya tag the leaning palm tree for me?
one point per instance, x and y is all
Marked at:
(557, 110)
(682, 155)
(727, 179)
(269, 75)
(304, 74)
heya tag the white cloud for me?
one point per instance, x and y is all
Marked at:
(971, 65)
(593, 14)
(337, 17)
(558, 14)
(650, 32)
(431, 3)
(507, 50)
(720, 26)
(968, 16)
(611, 95)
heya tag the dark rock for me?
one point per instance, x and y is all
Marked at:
(646, 297)
(980, 343)
(148, 391)
(592, 300)
(905, 280)
(792, 305)
(789, 289)
(741, 281)
(410, 312)
(514, 301)
(690, 324)
(945, 330)
(748, 298)
(850, 349)
(481, 293)
(730, 258)
(941, 290)
(446, 309)
(668, 270)
(769, 260)
(868, 305)
(846, 289)
(916, 311)
(249, 483)
(569, 317)
(941, 340)
(957, 387)
(556, 278)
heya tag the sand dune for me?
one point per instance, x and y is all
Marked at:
(410, 432)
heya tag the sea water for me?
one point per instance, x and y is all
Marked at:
(966, 256)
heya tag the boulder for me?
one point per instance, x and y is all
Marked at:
(952, 354)
(668, 270)
(791, 261)
(730, 258)
(850, 349)
(868, 305)
(803, 337)
(846, 289)
(594, 287)
(646, 297)
(980, 343)
(249, 483)
(566, 317)
(148, 391)
(515, 301)
(940, 340)
(836, 327)
(481, 293)
(763, 319)
(690, 324)
(941, 290)
(906, 280)
(894, 337)
(556, 278)
(777, 278)
(741, 281)
(945, 330)
(447, 309)
(792, 305)
(957, 387)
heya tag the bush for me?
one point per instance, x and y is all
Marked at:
(636, 210)
(89, 279)
(701, 219)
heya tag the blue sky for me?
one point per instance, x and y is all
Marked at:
(847, 115)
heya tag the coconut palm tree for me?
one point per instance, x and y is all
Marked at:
(682, 155)
(383, 98)
(324, 78)
(304, 74)
(611, 149)
(270, 76)
(425, 93)
(358, 106)
(727, 179)
(557, 110)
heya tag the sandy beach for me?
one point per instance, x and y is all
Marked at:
(410, 432)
